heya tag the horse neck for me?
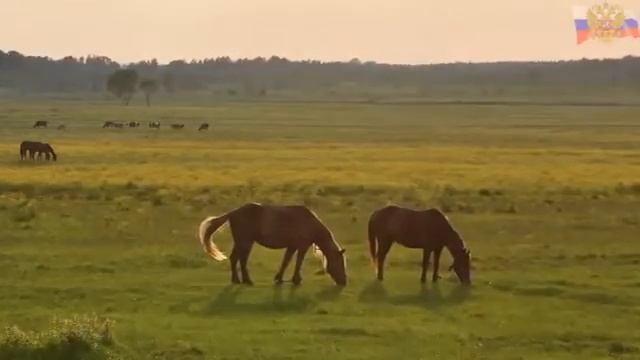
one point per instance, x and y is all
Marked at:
(326, 243)
(454, 244)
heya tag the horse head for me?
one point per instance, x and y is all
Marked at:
(336, 266)
(462, 265)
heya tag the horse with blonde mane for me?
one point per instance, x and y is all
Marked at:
(294, 228)
(429, 230)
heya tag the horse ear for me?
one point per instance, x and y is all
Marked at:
(343, 251)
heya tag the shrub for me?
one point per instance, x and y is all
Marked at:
(80, 337)
(633, 189)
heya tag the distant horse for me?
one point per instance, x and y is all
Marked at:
(112, 124)
(154, 124)
(62, 127)
(294, 228)
(177, 126)
(428, 230)
(134, 124)
(203, 126)
(40, 124)
(33, 148)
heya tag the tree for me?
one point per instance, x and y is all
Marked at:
(169, 82)
(122, 84)
(149, 86)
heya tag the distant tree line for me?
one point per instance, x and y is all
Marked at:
(259, 75)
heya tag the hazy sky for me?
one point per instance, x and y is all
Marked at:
(395, 31)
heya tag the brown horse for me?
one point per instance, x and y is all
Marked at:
(428, 230)
(31, 148)
(40, 124)
(294, 228)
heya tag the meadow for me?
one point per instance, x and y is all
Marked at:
(546, 197)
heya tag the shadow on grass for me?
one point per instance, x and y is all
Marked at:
(283, 299)
(570, 292)
(429, 298)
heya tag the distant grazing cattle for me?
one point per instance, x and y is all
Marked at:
(177, 126)
(203, 126)
(40, 124)
(134, 124)
(31, 148)
(154, 124)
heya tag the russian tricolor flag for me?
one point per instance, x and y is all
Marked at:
(584, 32)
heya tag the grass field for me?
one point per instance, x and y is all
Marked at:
(546, 197)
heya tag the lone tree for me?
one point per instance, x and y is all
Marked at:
(169, 82)
(149, 86)
(122, 83)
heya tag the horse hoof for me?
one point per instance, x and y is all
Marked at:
(296, 282)
(235, 281)
(248, 282)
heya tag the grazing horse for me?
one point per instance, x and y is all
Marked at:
(203, 126)
(40, 124)
(113, 124)
(33, 147)
(134, 124)
(294, 228)
(154, 124)
(429, 230)
(47, 150)
(177, 126)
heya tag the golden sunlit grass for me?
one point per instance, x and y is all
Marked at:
(226, 163)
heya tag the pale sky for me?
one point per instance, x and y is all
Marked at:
(393, 31)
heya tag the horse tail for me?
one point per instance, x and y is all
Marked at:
(373, 243)
(207, 228)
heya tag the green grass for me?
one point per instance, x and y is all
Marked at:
(547, 198)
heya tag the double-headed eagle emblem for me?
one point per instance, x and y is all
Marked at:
(606, 21)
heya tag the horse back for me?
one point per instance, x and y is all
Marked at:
(278, 226)
(410, 227)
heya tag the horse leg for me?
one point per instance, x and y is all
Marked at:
(383, 248)
(285, 263)
(436, 264)
(297, 277)
(244, 258)
(425, 264)
(233, 260)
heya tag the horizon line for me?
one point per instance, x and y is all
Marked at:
(361, 61)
